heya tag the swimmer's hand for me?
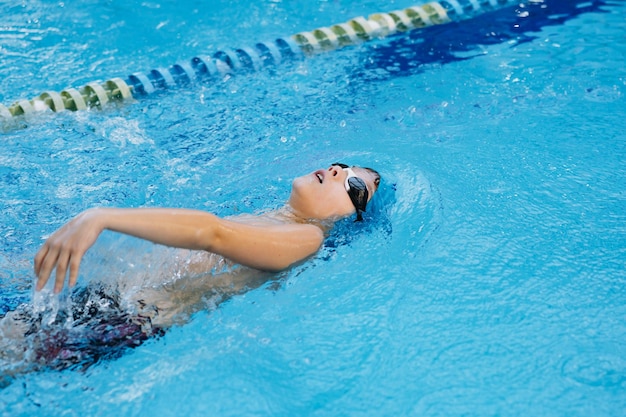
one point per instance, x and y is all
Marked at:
(65, 249)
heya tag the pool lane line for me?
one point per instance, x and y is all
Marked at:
(248, 59)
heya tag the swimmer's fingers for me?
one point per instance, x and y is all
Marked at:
(41, 254)
(45, 261)
(49, 257)
(62, 262)
(74, 267)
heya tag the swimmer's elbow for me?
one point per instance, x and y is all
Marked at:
(208, 239)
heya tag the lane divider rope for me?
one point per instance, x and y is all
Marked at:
(263, 54)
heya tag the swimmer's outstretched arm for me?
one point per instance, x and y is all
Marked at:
(269, 248)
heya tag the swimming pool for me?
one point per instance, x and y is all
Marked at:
(495, 288)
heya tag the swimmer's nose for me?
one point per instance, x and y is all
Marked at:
(335, 171)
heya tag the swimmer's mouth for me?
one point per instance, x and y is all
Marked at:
(320, 177)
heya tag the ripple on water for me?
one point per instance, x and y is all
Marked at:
(595, 369)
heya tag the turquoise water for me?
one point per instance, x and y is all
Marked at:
(494, 283)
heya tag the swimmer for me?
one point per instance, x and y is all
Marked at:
(269, 242)
(216, 259)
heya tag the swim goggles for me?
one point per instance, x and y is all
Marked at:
(357, 190)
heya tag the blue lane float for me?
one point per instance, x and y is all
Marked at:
(251, 59)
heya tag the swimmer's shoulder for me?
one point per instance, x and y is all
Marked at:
(277, 218)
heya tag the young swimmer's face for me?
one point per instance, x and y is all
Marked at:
(322, 194)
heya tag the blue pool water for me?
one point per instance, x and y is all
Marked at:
(493, 282)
